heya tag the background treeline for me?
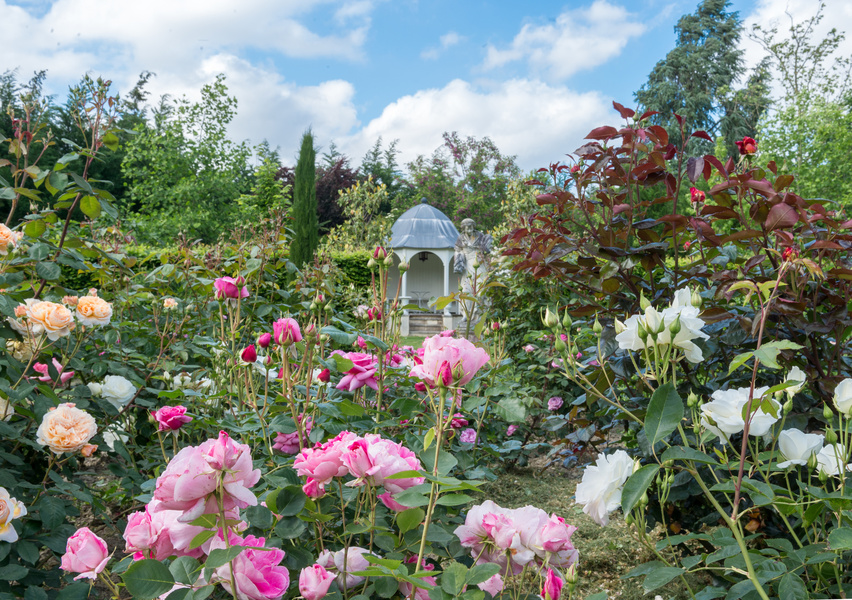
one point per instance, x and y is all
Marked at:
(175, 173)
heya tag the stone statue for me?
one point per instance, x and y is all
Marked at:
(471, 260)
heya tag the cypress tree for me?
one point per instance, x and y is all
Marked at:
(305, 225)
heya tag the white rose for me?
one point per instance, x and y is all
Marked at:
(795, 374)
(723, 416)
(600, 490)
(843, 396)
(831, 458)
(117, 390)
(96, 388)
(797, 447)
(111, 436)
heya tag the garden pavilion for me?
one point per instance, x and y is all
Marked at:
(424, 238)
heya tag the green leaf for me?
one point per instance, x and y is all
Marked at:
(768, 353)
(90, 206)
(259, 516)
(453, 578)
(13, 572)
(739, 360)
(52, 512)
(48, 270)
(185, 570)
(660, 577)
(110, 140)
(290, 501)
(481, 573)
(343, 364)
(840, 539)
(791, 587)
(687, 454)
(34, 229)
(409, 519)
(446, 462)
(511, 409)
(201, 538)
(429, 438)
(665, 411)
(386, 586)
(222, 556)
(454, 499)
(598, 596)
(411, 498)
(148, 579)
(636, 485)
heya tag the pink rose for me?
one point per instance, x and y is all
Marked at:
(324, 375)
(448, 333)
(171, 418)
(257, 574)
(511, 430)
(443, 355)
(249, 354)
(388, 500)
(363, 371)
(86, 554)
(314, 582)
(286, 331)
(348, 560)
(373, 459)
(264, 340)
(493, 585)
(313, 489)
(468, 436)
(45, 372)
(324, 461)
(527, 348)
(288, 443)
(458, 421)
(191, 478)
(227, 288)
(552, 586)
(361, 343)
(555, 538)
(555, 403)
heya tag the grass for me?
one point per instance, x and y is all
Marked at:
(606, 553)
(411, 340)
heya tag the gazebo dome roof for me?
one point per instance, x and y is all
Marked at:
(423, 226)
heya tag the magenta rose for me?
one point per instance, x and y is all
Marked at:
(286, 331)
(449, 361)
(86, 554)
(314, 582)
(228, 288)
(468, 436)
(363, 371)
(555, 403)
(257, 573)
(372, 459)
(171, 418)
(552, 586)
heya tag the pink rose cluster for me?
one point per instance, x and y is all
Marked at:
(449, 362)
(514, 538)
(228, 288)
(371, 460)
(288, 443)
(187, 489)
(314, 581)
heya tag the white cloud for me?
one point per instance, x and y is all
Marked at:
(581, 38)
(538, 122)
(448, 40)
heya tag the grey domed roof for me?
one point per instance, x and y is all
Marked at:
(423, 226)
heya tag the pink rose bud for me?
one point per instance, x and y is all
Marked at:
(171, 418)
(324, 375)
(249, 354)
(445, 374)
(552, 586)
(314, 582)
(420, 386)
(286, 332)
(264, 340)
(380, 253)
(228, 288)
(86, 554)
(495, 326)
(361, 343)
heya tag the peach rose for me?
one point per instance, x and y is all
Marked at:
(92, 311)
(66, 429)
(56, 320)
(7, 238)
(169, 303)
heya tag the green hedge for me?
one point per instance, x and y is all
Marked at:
(354, 266)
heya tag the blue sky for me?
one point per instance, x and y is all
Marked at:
(535, 77)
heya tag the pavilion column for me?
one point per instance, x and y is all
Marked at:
(446, 262)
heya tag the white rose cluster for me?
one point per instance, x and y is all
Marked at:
(677, 325)
(723, 416)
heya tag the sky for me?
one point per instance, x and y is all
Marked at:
(535, 77)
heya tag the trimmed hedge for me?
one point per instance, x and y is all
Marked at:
(354, 266)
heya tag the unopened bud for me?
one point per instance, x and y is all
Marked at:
(628, 519)
(696, 299)
(571, 576)
(596, 326)
(313, 306)
(567, 321)
(674, 328)
(643, 301)
(642, 332)
(830, 436)
(619, 326)
(812, 462)
(560, 345)
(328, 307)
(550, 319)
(404, 266)
(389, 261)
(788, 406)
(371, 264)
(643, 501)
(823, 477)
(691, 400)
(827, 412)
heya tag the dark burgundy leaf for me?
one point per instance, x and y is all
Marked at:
(694, 168)
(781, 215)
(702, 134)
(649, 113)
(716, 163)
(679, 119)
(625, 113)
(602, 133)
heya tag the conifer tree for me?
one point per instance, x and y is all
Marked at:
(305, 223)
